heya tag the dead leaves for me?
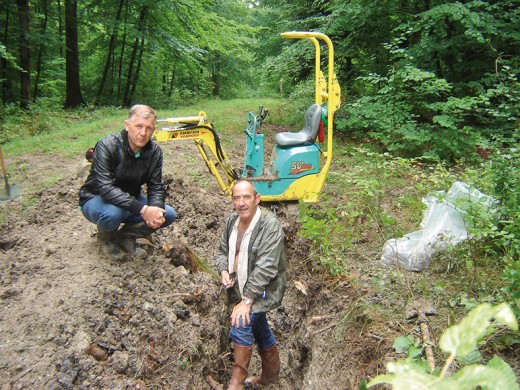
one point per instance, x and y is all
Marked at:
(300, 286)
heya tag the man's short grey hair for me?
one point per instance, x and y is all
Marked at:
(245, 180)
(141, 110)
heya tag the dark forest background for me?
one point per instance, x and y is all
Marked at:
(437, 79)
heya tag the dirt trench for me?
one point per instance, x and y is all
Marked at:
(72, 319)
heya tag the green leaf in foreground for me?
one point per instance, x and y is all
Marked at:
(405, 374)
(461, 339)
(497, 375)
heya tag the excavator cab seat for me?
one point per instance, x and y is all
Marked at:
(307, 136)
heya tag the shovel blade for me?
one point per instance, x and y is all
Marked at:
(8, 193)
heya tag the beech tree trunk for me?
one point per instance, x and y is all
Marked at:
(110, 53)
(137, 53)
(73, 96)
(41, 50)
(25, 54)
(4, 64)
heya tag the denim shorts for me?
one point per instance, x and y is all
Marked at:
(258, 330)
(108, 216)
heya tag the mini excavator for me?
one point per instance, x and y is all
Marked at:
(299, 161)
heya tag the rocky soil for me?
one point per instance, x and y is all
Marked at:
(72, 318)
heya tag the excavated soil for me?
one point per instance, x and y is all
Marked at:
(73, 319)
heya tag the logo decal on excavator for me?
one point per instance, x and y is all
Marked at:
(186, 134)
(299, 167)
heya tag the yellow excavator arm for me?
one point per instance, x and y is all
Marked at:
(202, 132)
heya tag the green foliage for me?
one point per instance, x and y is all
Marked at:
(360, 201)
(409, 345)
(439, 97)
(318, 228)
(8, 57)
(183, 364)
(18, 123)
(300, 100)
(459, 341)
(500, 232)
(411, 113)
(512, 277)
(408, 116)
(460, 40)
(438, 80)
(498, 111)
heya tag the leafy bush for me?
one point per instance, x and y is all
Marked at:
(412, 112)
(460, 342)
(497, 234)
(318, 228)
(410, 115)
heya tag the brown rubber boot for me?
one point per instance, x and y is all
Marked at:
(270, 367)
(107, 244)
(242, 357)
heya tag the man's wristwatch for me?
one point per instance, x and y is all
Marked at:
(247, 301)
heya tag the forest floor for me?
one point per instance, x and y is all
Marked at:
(72, 318)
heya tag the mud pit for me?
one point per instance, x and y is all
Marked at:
(71, 318)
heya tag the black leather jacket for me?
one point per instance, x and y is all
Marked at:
(117, 174)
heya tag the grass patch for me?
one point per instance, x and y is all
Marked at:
(72, 133)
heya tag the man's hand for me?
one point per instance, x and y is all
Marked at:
(227, 280)
(240, 312)
(153, 216)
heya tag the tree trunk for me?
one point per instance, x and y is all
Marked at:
(4, 64)
(40, 51)
(110, 53)
(215, 77)
(136, 75)
(129, 89)
(73, 96)
(60, 28)
(126, 95)
(163, 85)
(25, 54)
(172, 82)
(121, 58)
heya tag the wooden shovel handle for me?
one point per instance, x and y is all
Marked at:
(4, 171)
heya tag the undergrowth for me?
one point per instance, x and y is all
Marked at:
(370, 197)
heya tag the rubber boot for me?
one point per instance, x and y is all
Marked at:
(127, 236)
(270, 367)
(242, 357)
(107, 244)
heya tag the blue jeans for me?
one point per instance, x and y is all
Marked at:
(108, 216)
(258, 329)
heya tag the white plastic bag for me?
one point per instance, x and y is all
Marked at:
(443, 226)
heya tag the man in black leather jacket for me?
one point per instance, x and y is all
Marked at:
(122, 163)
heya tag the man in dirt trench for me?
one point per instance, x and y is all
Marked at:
(251, 262)
(122, 163)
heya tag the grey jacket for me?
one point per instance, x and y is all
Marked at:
(267, 278)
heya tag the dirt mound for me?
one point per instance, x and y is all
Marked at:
(71, 318)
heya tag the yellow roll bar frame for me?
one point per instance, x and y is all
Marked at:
(198, 128)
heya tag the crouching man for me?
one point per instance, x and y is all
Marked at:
(251, 262)
(111, 195)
